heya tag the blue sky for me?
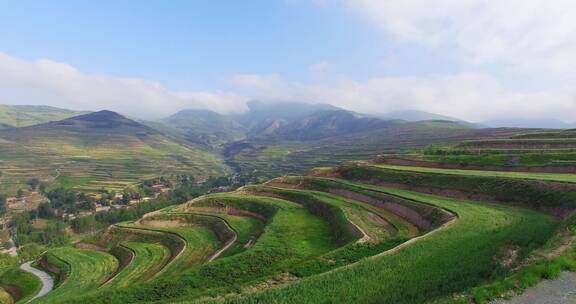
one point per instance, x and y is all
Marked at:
(364, 55)
(188, 44)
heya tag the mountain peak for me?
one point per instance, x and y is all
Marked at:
(100, 115)
(104, 119)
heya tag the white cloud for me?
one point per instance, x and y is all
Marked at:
(475, 97)
(58, 84)
(535, 35)
(472, 96)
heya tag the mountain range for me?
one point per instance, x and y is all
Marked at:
(91, 151)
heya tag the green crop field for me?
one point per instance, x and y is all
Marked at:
(81, 271)
(364, 232)
(5, 297)
(523, 159)
(377, 225)
(448, 261)
(558, 177)
(248, 229)
(26, 283)
(82, 154)
(200, 243)
(148, 259)
(280, 157)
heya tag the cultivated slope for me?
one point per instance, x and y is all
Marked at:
(334, 236)
(23, 116)
(94, 151)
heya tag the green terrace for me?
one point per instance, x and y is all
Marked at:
(330, 237)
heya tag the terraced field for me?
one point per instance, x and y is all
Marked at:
(358, 233)
(450, 260)
(558, 177)
(78, 271)
(276, 158)
(96, 151)
(17, 286)
(145, 261)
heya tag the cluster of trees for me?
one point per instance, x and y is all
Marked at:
(34, 184)
(54, 232)
(186, 190)
(60, 199)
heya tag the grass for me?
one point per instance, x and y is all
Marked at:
(247, 229)
(519, 141)
(292, 236)
(557, 255)
(89, 159)
(26, 283)
(149, 258)
(22, 116)
(405, 227)
(272, 158)
(525, 278)
(355, 212)
(520, 192)
(445, 262)
(532, 159)
(85, 270)
(201, 242)
(558, 177)
(5, 297)
(303, 241)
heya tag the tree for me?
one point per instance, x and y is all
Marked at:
(42, 188)
(63, 199)
(54, 233)
(84, 224)
(20, 193)
(45, 211)
(2, 204)
(34, 183)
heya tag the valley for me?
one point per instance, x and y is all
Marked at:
(288, 152)
(432, 208)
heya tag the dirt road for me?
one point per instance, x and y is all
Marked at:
(46, 279)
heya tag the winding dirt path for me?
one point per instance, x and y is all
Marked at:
(399, 247)
(46, 279)
(228, 243)
(365, 237)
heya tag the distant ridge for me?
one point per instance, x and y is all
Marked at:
(415, 115)
(25, 115)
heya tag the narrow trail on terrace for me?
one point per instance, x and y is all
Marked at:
(120, 268)
(46, 279)
(173, 260)
(227, 245)
(409, 242)
(365, 237)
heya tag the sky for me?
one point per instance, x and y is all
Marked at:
(473, 59)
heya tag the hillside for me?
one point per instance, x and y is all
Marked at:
(94, 151)
(261, 120)
(273, 157)
(272, 139)
(329, 123)
(334, 235)
(23, 116)
(203, 127)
